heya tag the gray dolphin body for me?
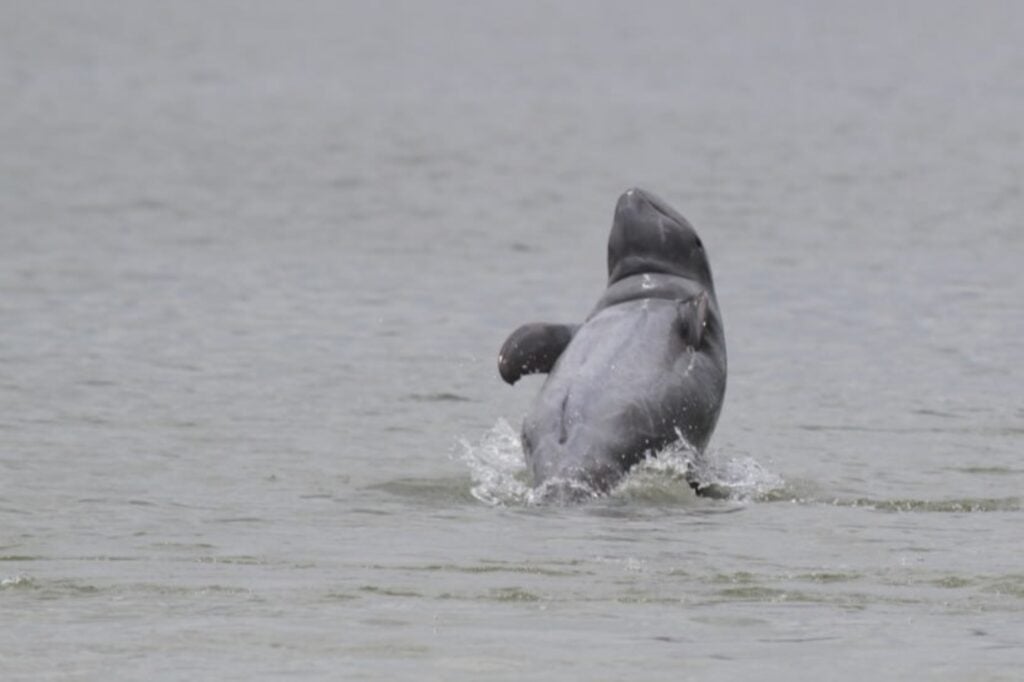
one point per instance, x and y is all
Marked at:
(645, 368)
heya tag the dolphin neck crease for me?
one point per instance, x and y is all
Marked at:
(651, 285)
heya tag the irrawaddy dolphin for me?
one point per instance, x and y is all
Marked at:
(645, 369)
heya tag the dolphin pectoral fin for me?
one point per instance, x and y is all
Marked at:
(693, 319)
(533, 348)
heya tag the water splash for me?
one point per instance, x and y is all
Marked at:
(500, 477)
(496, 466)
(662, 478)
(734, 478)
(15, 581)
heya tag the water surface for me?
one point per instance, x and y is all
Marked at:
(256, 261)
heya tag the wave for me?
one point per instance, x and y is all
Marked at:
(499, 477)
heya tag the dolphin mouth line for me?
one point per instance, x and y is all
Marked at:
(654, 202)
(660, 210)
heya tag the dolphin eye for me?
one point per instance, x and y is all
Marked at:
(698, 243)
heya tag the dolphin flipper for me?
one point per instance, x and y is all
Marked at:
(693, 319)
(533, 348)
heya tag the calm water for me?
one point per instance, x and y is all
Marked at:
(256, 261)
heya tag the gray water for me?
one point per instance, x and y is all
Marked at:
(256, 261)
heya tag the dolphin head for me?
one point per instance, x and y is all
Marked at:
(649, 236)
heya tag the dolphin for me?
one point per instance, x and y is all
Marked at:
(644, 370)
